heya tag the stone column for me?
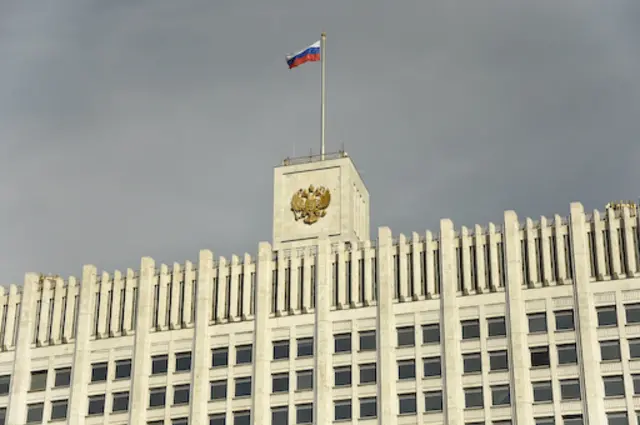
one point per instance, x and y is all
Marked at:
(261, 381)
(586, 322)
(139, 396)
(80, 372)
(201, 352)
(323, 338)
(521, 390)
(453, 394)
(386, 333)
(21, 376)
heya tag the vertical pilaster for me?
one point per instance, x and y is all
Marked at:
(589, 356)
(521, 390)
(141, 360)
(453, 396)
(387, 338)
(323, 335)
(201, 345)
(80, 373)
(261, 382)
(17, 411)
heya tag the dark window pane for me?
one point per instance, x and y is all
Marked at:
(368, 373)
(498, 360)
(242, 417)
(181, 394)
(159, 364)
(5, 383)
(35, 413)
(244, 354)
(219, 357)
(280, 383)
(280, 350)
(500, 395)
(407, 404)
(472, 363)
(610, 350)
(539, 356)
(98, 372)
(542, 392)
(537, 322)
(607, 316)
(367, 340)
(342, 343)
(564, 320)
(59, 409)
(497, 326)
(342, 376)
(433, 401)
(304, 414)
(157, 397)
(63, 377)
(406, 369)
(432, 367)
(570, 389)
(123, 369)
(632, 313)
(280, 415)
(406, 336)
(470, 329)
(96, 405)
(243, 387)
(473, 397)
(613, 386)
(342, 410)
(304, 380)
(219, 390)
(183, 362)
(120, 402)
(217, 419)
(431, 334)
(305, 347)
(567, 354)
(38, 380)
(368, 407)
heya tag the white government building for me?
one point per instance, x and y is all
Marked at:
(521, 323)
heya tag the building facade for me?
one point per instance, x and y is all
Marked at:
(521, 323)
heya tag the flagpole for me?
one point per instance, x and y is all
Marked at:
(323, 42)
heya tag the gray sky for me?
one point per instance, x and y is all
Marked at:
(133, 128)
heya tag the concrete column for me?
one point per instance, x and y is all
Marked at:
(386, 334)
(521, 390)
(80, 373)
(139, 396)
(323, 338)
(453, 394)
(20, 378)
(261, 381)
(201, 352)
(586, 321)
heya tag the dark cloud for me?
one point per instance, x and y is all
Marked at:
(133, 128)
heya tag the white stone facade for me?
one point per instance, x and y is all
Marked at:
(526, 323)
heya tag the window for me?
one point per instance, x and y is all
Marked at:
(431, 334)
(498, 360)
(123, 369)
(38, 380)
(617, 418)
(63, 377)
(368, 407)
(406, 369)
(542, 392)
(244, 354)
(342, 376)
(180, 421)
(157, 397)
(3, 415)
(368, 373)
(432, 366)
(407, 404)
(500, 395)
(219, 357)
(281, 350)
(607, 316)
(242, 417)
(545, 421)
(539, 356)
(406, 336)
(59, 409)
(96, 405)
(341, 410)
(243, 387)
(472, 363)
(537, 322)
(564, 320)
(304, 413)
(570, 389)
(120, 402)
(613, 386)
(304, 380)
(497, 326)
(181, 394)
(632, 313)
(473, 397)
(5, 382)
(572, 420)
(433, 401)
(305, 347)
(34, 413)
(280, 415)
(470, 329)
(280, 383)
(217, 419)
(367, 340)
(342, 343)
(567, 354)
(159, 364)
(610, 350)
(183, 362)
(634, 348)
(99, 372)
(219, 389)
(636, 384)
(501, 422)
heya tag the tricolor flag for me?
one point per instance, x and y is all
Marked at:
(309, 54)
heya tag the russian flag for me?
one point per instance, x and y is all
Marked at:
(309, 54)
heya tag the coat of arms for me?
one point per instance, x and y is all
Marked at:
(310, 205)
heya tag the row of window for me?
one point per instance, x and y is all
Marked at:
(567, 353)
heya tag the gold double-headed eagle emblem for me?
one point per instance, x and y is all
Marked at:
(310, 205)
